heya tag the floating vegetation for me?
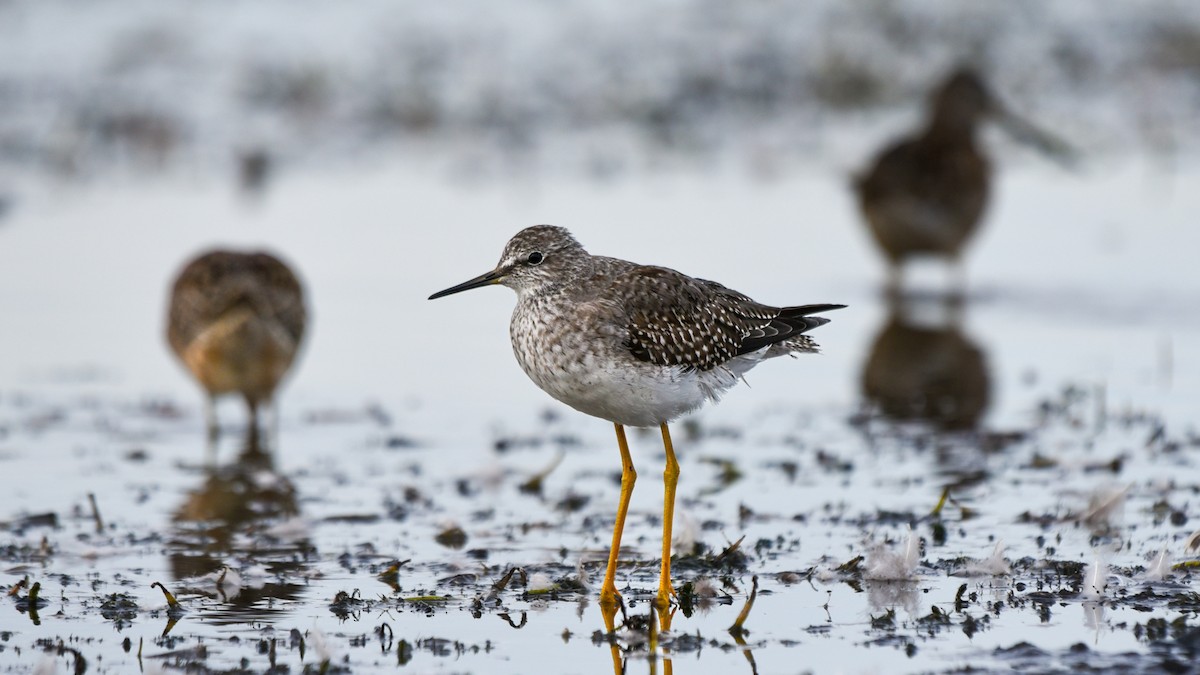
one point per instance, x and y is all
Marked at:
(452, 537)
(120, 608)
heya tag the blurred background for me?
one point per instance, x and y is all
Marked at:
(385, 150)
(390, 149)
(491, 89)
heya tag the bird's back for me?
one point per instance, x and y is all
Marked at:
(925, 195)
(641, 345)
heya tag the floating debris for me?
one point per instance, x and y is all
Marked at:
(321, 646)
(452, 537)
(18, 587)
(540, 582)
(534, 484)
(738, 629)
(686, 533)
(502, 583)
(96, 513)
(120, 608)
(31, 603)
(995, 565)
(884, 564)
(391, 575)
(174, 609)
(1160, 567)
(1192, 543)
(582, 577)
(1105, 506)
(1095, 579)
(347, 604)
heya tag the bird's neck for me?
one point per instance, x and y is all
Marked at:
(951, 129)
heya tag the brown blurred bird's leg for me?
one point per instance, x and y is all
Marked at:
(608, 590)
(254, 443)
(895, 280)
(670, 480)
(252, 404)
(958, 277)
(213, 432)
(270, 437)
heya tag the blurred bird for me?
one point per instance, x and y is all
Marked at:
(925, 194)
(236, 321)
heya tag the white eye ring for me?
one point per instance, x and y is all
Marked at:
(535, 258)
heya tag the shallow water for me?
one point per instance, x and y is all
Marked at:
(407, 418)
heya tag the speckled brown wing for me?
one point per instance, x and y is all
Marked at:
(218, 281)
(676, 320)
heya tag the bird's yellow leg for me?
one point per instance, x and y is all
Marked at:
(665, 614)
(608, 591)
(670, 480)
(609, 611)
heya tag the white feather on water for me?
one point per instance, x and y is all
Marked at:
(320, 644)
(1192, 543)
(582, 577)
(685, 533)
(884, 563)
(995, 565)
(1095, 579)
(1160, 567)
(540, 581)
(1106, 506)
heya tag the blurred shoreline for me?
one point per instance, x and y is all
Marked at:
(586, 88)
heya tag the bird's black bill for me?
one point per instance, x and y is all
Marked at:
(486, 279)
(1041, 140)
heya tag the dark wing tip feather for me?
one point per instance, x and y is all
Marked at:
(802, 316)
(805, 310)
(788, 324)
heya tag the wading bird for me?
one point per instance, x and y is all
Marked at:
(925, 195)
(236, 321)
(635, 345)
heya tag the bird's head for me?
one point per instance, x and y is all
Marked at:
(535, 259)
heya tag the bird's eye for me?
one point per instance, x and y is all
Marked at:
(535, 258)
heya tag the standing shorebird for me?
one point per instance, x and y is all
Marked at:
(925, 195)
(635, 345)
(236, 321)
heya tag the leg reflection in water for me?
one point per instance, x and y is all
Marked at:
(230, 526)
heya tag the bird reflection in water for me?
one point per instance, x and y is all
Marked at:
(922, 367)
(645, 630)
(648, 629)
(236, 514)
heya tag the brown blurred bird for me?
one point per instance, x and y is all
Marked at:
(236, 321)
(925, 194)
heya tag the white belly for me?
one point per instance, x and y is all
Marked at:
(596, 375)
(639, 397)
